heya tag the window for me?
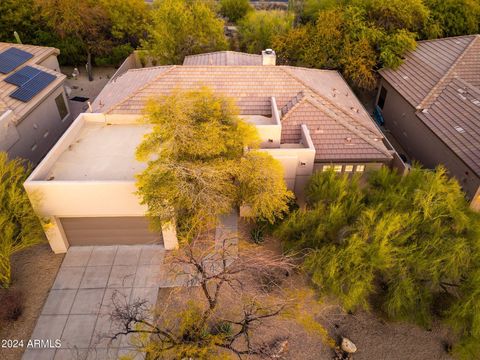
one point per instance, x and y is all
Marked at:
(382, 98)
(348, 168)
(360, 168)
(326, 167)
(337, 168)
(61, 106)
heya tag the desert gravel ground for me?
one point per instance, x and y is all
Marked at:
(33, 271)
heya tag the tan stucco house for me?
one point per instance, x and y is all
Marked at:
(431, 104)
(307, 119)
(34, 110)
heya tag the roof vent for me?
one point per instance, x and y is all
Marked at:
(425, 111)
(269, 57)
(405, 77)
(476, 102)
(460, 129)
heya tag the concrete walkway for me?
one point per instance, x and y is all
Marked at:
(80, 301)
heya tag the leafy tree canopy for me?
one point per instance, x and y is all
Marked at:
(258, 28)
(198, 168)
(452, 18)
(411, 241)
(19, 226)
(181, 28)
(234, 10)
(345, 38)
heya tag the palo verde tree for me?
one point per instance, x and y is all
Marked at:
(202, 163)
(258, 28)
(234, 10)
(19, 226)
(411, 241)
(181, 28)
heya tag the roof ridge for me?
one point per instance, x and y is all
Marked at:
(350, 127)
(326, 100)
(448, 38)
(292, 103)
(222, 51)
(437, 88)
(141, 87)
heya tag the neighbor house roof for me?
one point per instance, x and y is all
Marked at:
(441, 79)
(340, 127)
(223, 58)
(19, 108)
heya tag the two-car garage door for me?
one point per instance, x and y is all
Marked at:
(128, 230)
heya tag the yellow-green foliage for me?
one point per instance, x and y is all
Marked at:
(258, 28)
(198, 168)
(183, 27)
(19, 226)
(407, 240)
(356, 37)
(234, 10)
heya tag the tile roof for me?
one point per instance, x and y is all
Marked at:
(441, 78)
(21, 109)
(223, 58)
(334, 105)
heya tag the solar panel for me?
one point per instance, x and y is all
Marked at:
(22, 76)
(32, 87)
(12, 58)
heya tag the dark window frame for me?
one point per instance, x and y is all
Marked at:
(382, 97)
(61, 106)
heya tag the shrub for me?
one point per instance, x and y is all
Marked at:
(234, 10)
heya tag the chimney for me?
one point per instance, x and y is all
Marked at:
(269, 57)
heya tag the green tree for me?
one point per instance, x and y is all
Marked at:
(349, 39)
(129, 19)
(410, 241)
(234, 10)
(452, 18)
(85, 21)
(19, 226)
(197, 165)
(181, 28)
(258, 28)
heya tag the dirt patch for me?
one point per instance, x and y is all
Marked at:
(33, 271)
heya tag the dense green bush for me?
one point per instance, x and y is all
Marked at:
(234, 10)
(411, 242)
(258, 28)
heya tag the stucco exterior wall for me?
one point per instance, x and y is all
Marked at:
(42, 127)
(422, 144)
(51, 62)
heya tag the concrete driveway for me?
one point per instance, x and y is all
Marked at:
(80, 301)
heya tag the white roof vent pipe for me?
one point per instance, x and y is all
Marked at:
(269, 57)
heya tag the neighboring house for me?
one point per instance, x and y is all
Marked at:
(227, 58)
(431, 104)
(307, 119)
(34, 110)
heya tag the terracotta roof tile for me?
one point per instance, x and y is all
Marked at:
(331, 105)
(442, 79)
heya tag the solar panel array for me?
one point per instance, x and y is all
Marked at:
(22, 76)
(30, 81)
(12, 58)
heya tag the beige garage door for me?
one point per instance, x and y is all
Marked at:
(109, 231)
